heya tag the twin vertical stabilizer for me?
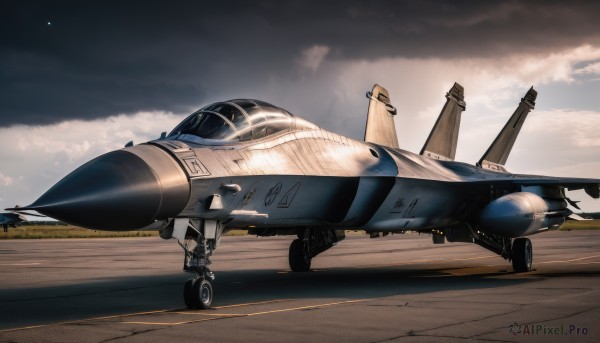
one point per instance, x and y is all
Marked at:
(442, 141)
(497, 154)
(380, 127)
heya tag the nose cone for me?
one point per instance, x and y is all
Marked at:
(121, 190)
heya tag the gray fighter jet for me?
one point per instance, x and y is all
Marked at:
(11, 219)
(14, 218)
(250, 165)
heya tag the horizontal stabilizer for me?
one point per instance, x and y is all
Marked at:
(497, 154)
(577, 217)
(441, 143)
(21, 210)
(380, 127)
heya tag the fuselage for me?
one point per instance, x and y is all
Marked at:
(248, 164)
(319, 178)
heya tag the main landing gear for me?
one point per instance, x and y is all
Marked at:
(309, 244)
(520, 252)
(522, 255)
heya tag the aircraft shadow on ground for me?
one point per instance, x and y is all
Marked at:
(120, 295)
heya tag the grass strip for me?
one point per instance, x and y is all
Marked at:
(69, 231)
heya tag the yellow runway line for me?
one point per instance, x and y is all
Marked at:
(151, 323)
(250, 314)
(307, 307)
(213, 317)
(202, 313)
(177, 311)
(85, 320)
(254, 303)
(169, 324)
(571, 260)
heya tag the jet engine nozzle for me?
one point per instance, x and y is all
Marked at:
(125, 189)
(516, 214)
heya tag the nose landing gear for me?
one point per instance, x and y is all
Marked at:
(200, 238)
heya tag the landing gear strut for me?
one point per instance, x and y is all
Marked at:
(520, 253)
(200, 238)
(309, 244)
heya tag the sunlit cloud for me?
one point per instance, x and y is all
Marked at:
(6, 180)
(42, 155)
(312, 57)
(590, 69)
(79, 139)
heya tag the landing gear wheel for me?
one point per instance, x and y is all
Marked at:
(202, 294)
(187, 293)
(522, 255)
(298, 257)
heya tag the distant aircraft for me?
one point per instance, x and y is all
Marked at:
(250, 165)
(11, 220)
(14, 218)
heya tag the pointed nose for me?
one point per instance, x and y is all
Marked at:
(122, 190)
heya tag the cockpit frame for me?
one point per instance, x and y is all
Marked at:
(237, 120)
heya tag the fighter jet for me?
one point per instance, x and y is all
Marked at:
(14, 218)
(250, 165)
(11, 219)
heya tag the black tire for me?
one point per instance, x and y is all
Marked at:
(202, 294)
(187, 293)
(522, 255)
(437, 238)
(299, 261)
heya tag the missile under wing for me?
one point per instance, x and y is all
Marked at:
(250, 165)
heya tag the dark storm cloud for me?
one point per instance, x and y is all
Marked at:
(100, 58)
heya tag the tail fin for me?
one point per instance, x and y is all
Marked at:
(496, 155)
(441, 143)
(380, 127)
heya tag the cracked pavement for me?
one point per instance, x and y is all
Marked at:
(399, 288)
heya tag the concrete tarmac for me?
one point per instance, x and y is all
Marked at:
(399, 288)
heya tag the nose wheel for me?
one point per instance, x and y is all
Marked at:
(198, 293)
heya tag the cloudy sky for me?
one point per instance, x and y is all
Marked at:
(80, 78)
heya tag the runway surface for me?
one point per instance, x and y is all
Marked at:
(399, 288)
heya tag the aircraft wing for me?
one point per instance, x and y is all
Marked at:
(591, 186)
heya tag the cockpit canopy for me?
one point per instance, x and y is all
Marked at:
(239, 120)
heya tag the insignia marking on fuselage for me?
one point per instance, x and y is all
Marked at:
(287, 199)
(273, 192)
